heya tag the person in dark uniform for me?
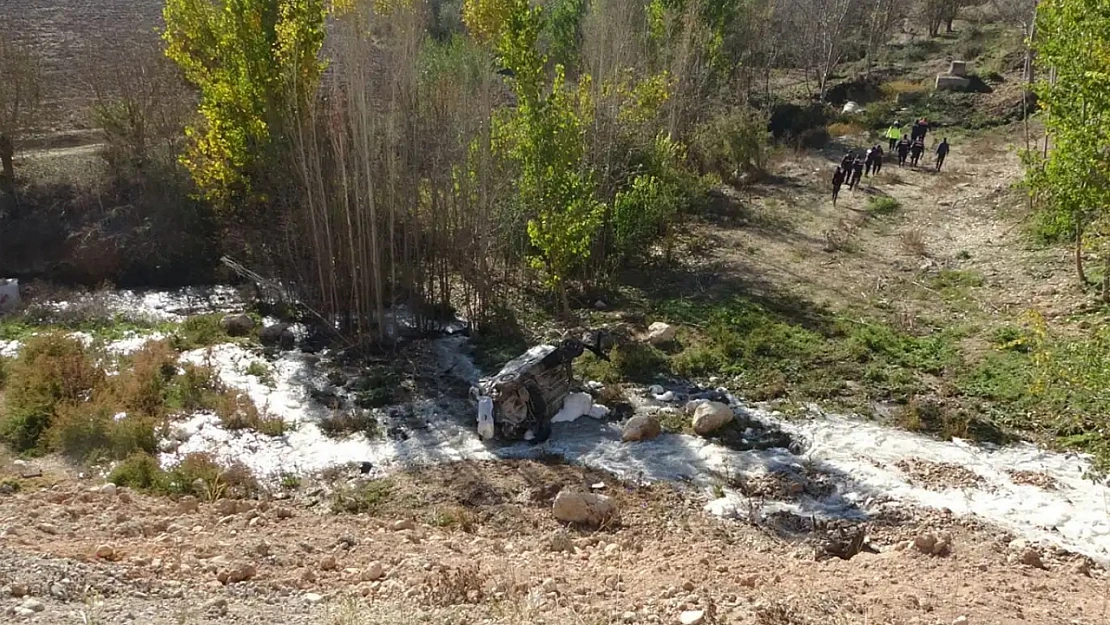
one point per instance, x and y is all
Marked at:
(869, 161)
(837, 180)
(877, 165)
(846, 162)
(903, 150)
(857, 173)
(942, 151)
(915, 151)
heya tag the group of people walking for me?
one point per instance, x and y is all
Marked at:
(854, 166)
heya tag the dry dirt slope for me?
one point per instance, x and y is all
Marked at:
(787, 234)
(476, 543)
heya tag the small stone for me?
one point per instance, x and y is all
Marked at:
(688, 585)
(1032, 557)
(584, 508)
(960, 620)
(47, 528)
(226, 507)
(612, 548)
(691, 617)
(628, 617)
(402, 525)
(283, 513)
(374, 572)
(327, 563)
(108, 489)
(188, 504)
(217, 606)
(105, 552)
(549, 585)
(925, 543)
(313, 597)
(238, 573)
(32, 604)
(18, 590)
(749, 581)
(237, 325)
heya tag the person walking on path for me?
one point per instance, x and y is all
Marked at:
(893, 134)
(846, 162)
(903, 150)
(915, 151)
(857, 173)
(837, 180)
(877, 166)
(942, 151)
(869, 161)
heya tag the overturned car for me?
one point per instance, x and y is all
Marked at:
(520, 401)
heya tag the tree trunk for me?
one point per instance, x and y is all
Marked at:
(7, 169)
(1106, 277)
(1079, 272)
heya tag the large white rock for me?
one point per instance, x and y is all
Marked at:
(851, 107)
(641, 428)
(660, 333)
(710, 417)
(584, 508)
(691, 617)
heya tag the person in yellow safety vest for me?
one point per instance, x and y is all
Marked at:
(893, 134)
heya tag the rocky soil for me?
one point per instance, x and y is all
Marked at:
(478, 543)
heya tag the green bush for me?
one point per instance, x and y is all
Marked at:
(52, 369)
(365, 498)
(199, 331)
(641, 215)
(882, 205)
(95, 430)
(200, 474)
(733, 143)
(140, 471)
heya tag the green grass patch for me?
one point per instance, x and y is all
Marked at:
(199, 331)
(262, 371)
(366, 498)
(882, 205)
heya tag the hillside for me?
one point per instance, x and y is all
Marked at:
(908, 382)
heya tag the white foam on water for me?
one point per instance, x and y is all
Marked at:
(305, 448)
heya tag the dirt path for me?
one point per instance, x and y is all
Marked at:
(476, 542)
(966, 219)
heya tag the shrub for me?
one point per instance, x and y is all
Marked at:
(52, 369)
(261, 370)
(343, 422)
(882, 205)
(93, 430)
(366, 498)
(200, 474)
(733, 143)
(140, 471)
(144, 386)
(641, 215)
(237, 412)
(199, 331)
(197, 388)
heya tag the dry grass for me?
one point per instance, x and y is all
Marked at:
(913, 243)
(845, 129)
(842, 237)
(894, 88)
